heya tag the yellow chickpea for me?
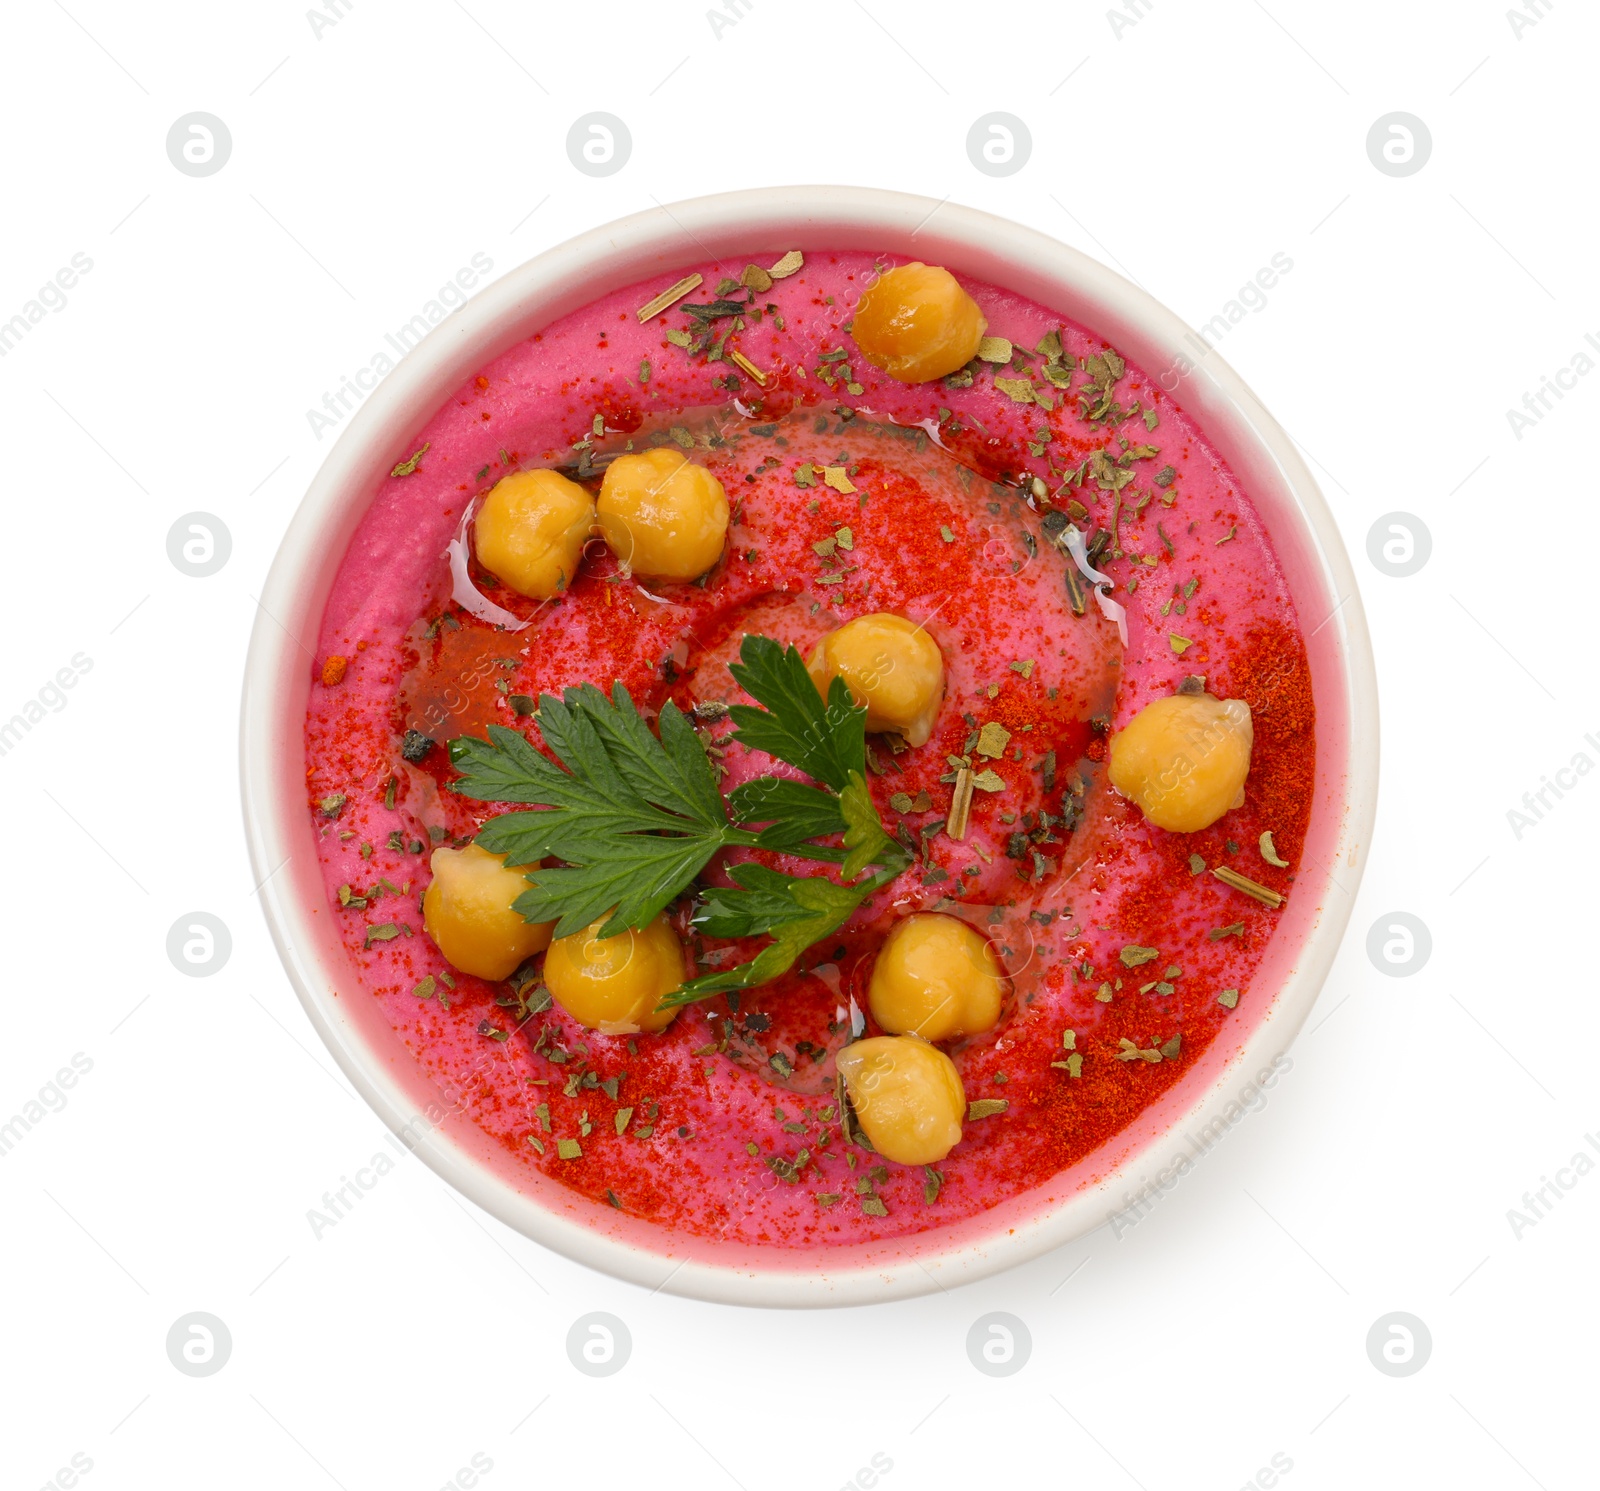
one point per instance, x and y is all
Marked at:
(1184, 759)
(466, 910)
(936, 977)
(889, 664)
(663, 516)
(613, 984)
(916, 323)
(531, 530)
(907, 1096)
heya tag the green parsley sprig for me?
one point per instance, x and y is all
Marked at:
(635, 816)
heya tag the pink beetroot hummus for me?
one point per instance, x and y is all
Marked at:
(851, 493)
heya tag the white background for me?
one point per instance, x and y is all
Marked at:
(370, 161)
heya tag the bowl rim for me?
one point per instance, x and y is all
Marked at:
(573, 273)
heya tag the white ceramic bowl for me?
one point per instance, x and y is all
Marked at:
(761, 225)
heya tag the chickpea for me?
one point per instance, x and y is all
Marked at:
(531, 530)
(907, 1096)
(1184, 759)
(663, 516)
(916, 323)
(613, 984)
(936, 977)
(889, 664)
(466, 910)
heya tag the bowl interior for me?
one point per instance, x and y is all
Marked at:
(745, 225)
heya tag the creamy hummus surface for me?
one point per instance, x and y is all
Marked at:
(945, 502)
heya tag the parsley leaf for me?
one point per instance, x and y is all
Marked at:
(826, 741)
(796, 911)
(633, 817)
(864, 836)
(759, 900)
(792, 811)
